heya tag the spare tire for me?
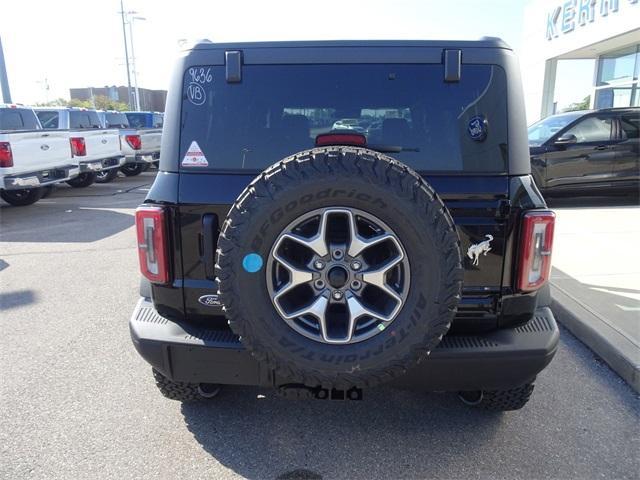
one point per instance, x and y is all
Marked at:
(339, 267)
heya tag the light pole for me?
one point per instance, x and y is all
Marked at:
(126, 54)
(132, 18)
(4, 81)
(46, 88)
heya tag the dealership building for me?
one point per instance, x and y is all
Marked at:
(607, 31)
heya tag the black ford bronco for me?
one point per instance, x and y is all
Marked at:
(331, 216)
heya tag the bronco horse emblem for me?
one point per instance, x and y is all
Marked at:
(478, 249)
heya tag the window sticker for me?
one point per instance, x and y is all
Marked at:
(194, 157)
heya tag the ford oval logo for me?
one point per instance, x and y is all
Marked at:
(44, 147)
(477, 128)
(104, 140)
(210, 301)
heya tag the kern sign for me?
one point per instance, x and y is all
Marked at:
(571, 14)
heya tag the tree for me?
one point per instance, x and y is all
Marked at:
(58, 102)
(583, 105)
(105, 103)
(74, 102)
(100, 102)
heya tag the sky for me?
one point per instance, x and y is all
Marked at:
(73, 43)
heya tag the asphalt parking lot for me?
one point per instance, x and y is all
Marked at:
(78, 402)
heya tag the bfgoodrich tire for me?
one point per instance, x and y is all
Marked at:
(83, 180)
(363, 185)
(23, 197)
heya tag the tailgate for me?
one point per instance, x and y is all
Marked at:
(475, 204)
(150, 139)
(38, 150)
(100, 144)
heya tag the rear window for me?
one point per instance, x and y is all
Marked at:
(137, 120)
(49, 120)
(278, 110)
(18, 119)
(116, 120)
(84, 119)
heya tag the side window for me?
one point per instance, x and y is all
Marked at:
(630, 126)
(592, 129)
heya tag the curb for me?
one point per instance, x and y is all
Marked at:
(620, 353)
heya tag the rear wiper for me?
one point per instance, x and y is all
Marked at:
(392, 148)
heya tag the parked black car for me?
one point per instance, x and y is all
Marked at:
(281, 252)
(587, 152)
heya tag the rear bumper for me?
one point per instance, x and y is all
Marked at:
(39, 178)
(498, 360)
(102, 164)
(146, 157)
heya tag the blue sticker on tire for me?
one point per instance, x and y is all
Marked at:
(252, 262)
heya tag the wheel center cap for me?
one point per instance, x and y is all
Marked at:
(337, 277)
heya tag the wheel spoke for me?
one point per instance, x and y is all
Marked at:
(317, 243)
(357, 310)
(358, 244)
(377, 277)
(297, 276)
(317, 309)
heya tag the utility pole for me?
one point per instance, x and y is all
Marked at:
(4, 80)
(126, 55)
(133, 56)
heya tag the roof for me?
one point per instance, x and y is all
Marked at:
(578, 113)
(620, 109)
(59, 108)
(484, 42)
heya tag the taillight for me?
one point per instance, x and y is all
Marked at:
(6, 157)
(134, 141)
(341, 139)
(78, 147)
(152, 243)
(536, 242)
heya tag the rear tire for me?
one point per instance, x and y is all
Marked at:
(499, 400)
(132, 169)
(183, 391)
(83, 180)
(23, 197)
(106, 176)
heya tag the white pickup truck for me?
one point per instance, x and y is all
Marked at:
(148, 127)
(140, 146)
(30, 158)
(93, 147)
